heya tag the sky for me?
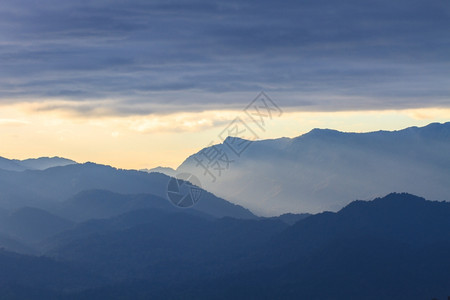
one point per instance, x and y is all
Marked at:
(137, 84)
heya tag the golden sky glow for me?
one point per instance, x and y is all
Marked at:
(147, 141)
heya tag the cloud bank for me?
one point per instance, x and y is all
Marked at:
(144, 57)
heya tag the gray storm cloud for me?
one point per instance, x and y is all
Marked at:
(156, 56)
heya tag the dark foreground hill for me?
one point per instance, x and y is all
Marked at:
(394, 247)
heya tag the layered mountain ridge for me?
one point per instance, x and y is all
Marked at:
(322, 169)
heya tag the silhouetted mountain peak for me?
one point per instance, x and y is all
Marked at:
(234, 139)
(43, 163)
(392, 205)
(430, 129)
(95, 165)
(318, 132)
(163, 170)
(40, 163)
(404, 198)
(10, 165)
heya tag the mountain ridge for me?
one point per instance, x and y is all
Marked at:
(319, 170)
(391, 247)
(48, 188)
(40, 163)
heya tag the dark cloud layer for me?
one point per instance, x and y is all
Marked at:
(150, 56)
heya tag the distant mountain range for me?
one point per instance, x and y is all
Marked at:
(315, 172)
(89, 231)
(164, 170)
(323, 169)
(49, 189)
(41, 163)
